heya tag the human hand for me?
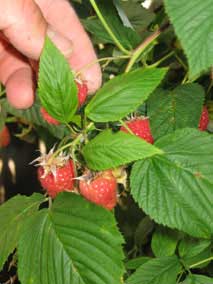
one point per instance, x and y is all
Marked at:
(24, 25)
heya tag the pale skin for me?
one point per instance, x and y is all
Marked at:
(24, 25)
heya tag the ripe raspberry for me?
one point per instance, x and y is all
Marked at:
(204, 119)
(4, 137)
(100, 189)
(141, 128)
(82, 92)
(48, 117)
(61, 181)
(55, 174)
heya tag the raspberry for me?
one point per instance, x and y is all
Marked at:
(100, 189)
(141, 128)
(204, 119)
(62, 180)
(48, 118)
(82, 92)
(55, 174)
(4, 137)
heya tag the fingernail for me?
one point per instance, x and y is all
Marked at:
(63, 44)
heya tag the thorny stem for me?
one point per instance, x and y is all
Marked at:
(108, 29)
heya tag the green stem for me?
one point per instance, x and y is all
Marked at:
(106, 26)
(137, 52)
(181, 61)
(187, 269)
(161, 60)
(185, 79)
(50, 202)
(72, 144)
(87, 66)
(210, 85)
(179, 277)
(70, 128)
(201, 262)
(126, 126)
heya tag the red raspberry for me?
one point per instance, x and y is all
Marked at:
(100, 189)
(4, 137)
(82, 93)
(60, 180)
(204, 119)
(141, 128)
(48, 118)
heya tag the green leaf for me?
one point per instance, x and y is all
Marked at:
(171, 110)
(190, 247)
(123, 94)
(164, 242)
(33, 115)
(198, 279)
(74, 242)
(94, 26)
(126, 36)
(13, 215)
(157, 271)
(109, 150)
(175, 189)
(139, 17)
(194, 250)
(133, 264)
(193, 23)
(56, 87)
(122, 14)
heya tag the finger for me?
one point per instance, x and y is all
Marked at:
(17, 76)
(60, 15)
(25, 27)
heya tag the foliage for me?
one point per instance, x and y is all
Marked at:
(161, 230)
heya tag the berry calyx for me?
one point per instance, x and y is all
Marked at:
(100, 188)
(47, 117)
(141, 128)
(204, 119)
(4, 137)
(56, 174)
(82, 92)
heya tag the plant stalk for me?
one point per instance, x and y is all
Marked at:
(108, 29)
(137, 52)
(201, 262)
(73, 144)
(89, 65)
